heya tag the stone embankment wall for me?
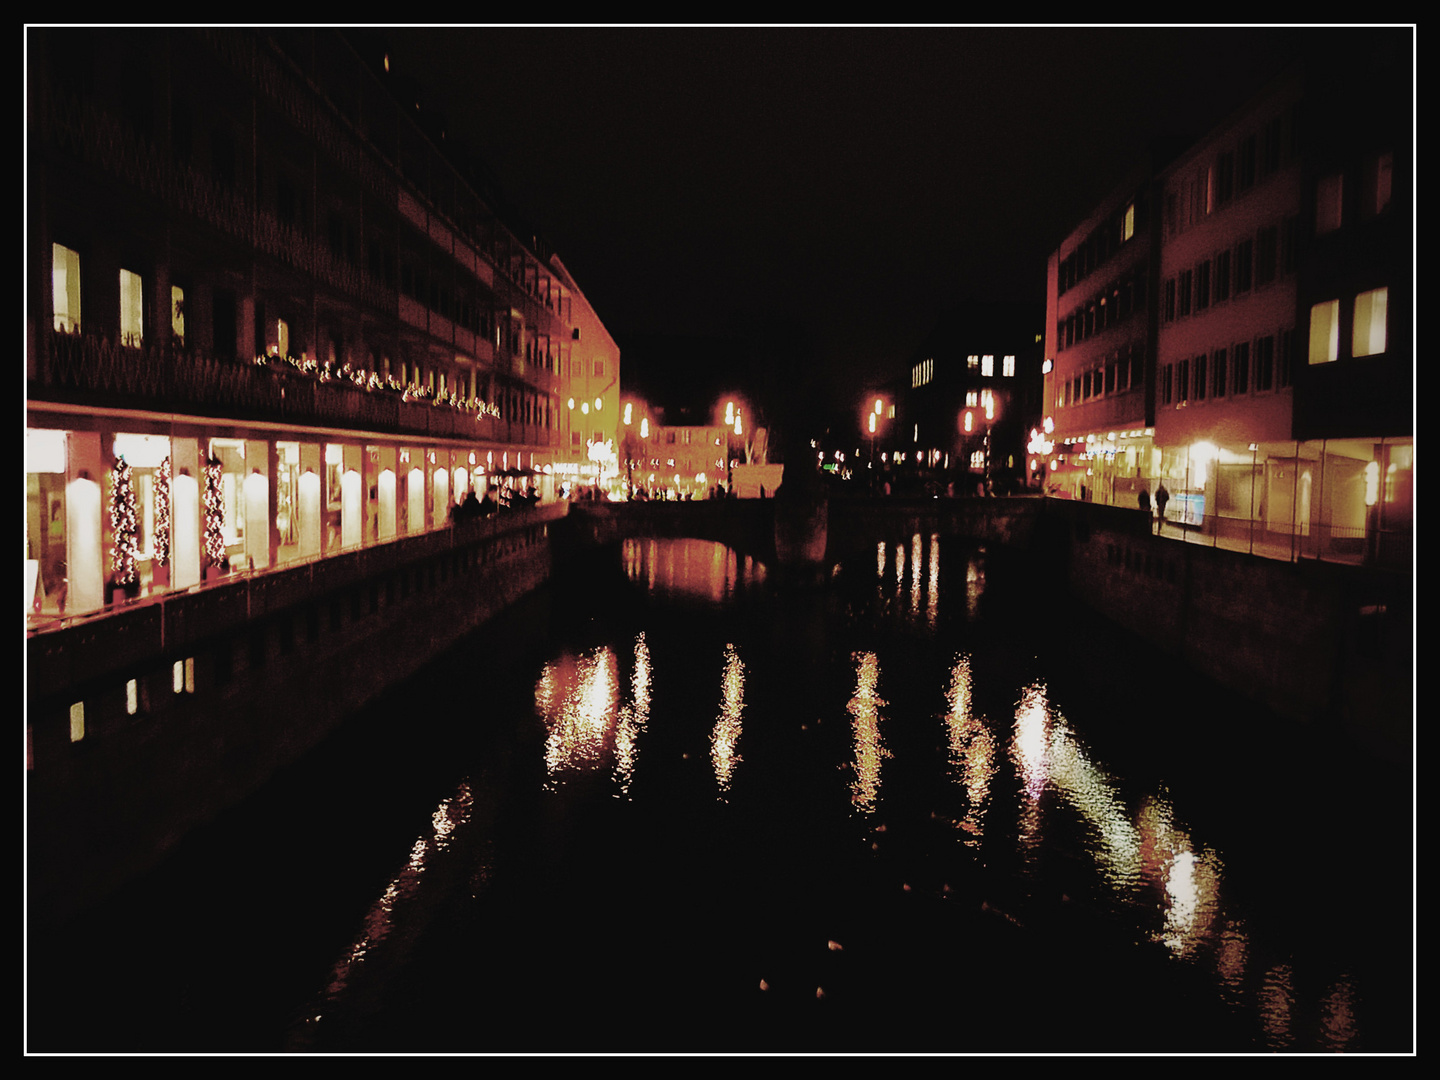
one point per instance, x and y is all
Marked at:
(267, 667)
(1318, 643)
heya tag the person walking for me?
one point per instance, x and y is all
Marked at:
(1161, 498)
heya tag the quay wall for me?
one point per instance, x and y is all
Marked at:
(268, 666)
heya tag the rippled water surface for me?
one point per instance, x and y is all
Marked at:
(926, 808)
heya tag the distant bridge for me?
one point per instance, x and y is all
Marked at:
(748, 525)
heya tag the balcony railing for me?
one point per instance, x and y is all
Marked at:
(84, 369)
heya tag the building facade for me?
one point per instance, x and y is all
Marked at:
(972, 393)
(1097, 432)
(1263, 372)
(268, 320)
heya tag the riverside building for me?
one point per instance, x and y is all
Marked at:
(269, 319)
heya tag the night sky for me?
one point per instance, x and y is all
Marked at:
(812, 199)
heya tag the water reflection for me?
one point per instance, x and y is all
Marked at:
(690, 569)
(971, 750)
(727, 728)
(587, 726)
(864, 708)
(387, 917)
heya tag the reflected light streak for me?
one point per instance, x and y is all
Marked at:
(381, 919)
(880, 559)
(932, 606)
(915, 565)
(972, 750)
(899, 567)
(727, 727)
(864, 708)
(634, 715)
(974, 585)
(1030, 744)
(1337, 1016)
(1277, 1006)
(577, 697)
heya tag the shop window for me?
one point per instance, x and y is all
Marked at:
(65, 288)
(1325, 332)
(1368, 338)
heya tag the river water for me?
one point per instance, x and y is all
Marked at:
(669, 806)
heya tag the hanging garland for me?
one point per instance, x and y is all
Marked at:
(214, 513)
(124, 521)
(162, 514)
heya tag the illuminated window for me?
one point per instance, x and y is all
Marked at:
(77, 721)
(972, 363)
(1008, 367)
(132, 304)
(977, 459)
(1325, 332)
(1369, 333)
(972, 398)
(987, 366)
(65, 285)
(1328, 194)
(282, 337)
(177, 313)
(1127, 223)
(132, 697)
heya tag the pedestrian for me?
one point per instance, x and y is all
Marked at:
(1161, 498)
(1145, 499)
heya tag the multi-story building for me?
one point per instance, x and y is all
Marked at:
(1229, 256)
(687, 461)
(1263, 371)
(268, 319)
(971, 395)
(1098, 422)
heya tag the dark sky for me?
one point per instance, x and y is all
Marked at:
(833, 188)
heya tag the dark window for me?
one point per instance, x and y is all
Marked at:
(1245, 174)
(1169, 309)
(1219, 373)
(1287, 358)
(1200, 377)
(1240, 368)
(1264, 363)
(1184, 292)
(1267, 249)
(1182, 382)
(1202, 286)
(222, 312)
(1225, 178)
(1222, 276)
(1290, 245)
(1244, 265)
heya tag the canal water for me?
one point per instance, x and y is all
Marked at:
(667, 805)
